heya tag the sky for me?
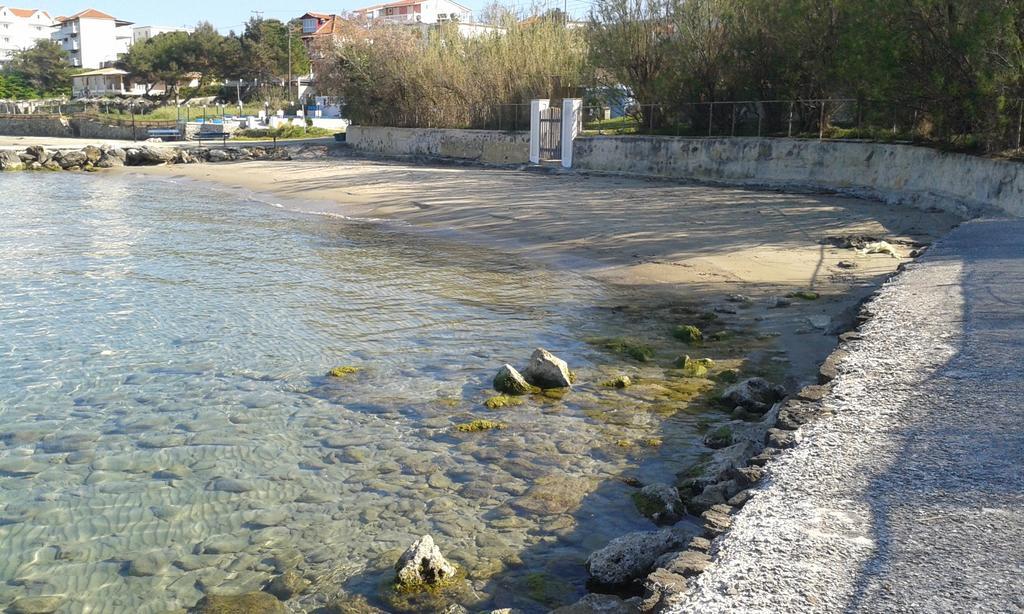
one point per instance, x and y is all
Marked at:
(231, 16)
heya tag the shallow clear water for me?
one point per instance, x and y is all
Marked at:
(167, 430)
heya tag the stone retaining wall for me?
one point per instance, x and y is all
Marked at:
(902, 174)
(487, 146)
(67, 127)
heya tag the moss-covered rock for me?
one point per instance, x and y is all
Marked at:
(688, 333)
(510, 381)
(637, 350)
(728, 376)
(720, 437)
(806, 295)
(695, 367)
(622, 381)
(342, 371)
(501, 401)
(476, 426)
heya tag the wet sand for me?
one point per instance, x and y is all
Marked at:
(662, 243)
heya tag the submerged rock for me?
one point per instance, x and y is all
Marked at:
(423, 566)
(755, 394)
(510, 381)
(248, 603)
(547, 370)
(287, 585)
(342, 371)
(659, 502)
(596, 603)
(631, 556)
(35, 605)
(475, 426)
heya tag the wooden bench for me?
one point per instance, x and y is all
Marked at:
(164, 133)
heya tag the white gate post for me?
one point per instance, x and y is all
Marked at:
(571, 122)
(536, 106)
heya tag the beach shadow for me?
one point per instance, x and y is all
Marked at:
(946, 515)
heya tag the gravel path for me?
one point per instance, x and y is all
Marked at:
(911, 499)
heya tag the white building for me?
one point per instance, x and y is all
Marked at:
(20, 29)
(417, 11)
(144, 33)
(92, 38)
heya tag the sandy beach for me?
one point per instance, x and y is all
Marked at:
(662, 243)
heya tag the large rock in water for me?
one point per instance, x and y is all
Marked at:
(423, 565)
(510, 381)
(755, 394)
(547, 370)
(39, 153)
(70, 159)
(11, 161)
(631, 556)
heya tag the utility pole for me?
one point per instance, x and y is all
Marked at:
(258, 14)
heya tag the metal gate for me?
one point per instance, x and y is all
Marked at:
(551, 134)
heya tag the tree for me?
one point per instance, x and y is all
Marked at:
(43, 66)
(265, 45)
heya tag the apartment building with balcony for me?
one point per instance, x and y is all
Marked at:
(92, 38)
(416, 12)
(21, 28)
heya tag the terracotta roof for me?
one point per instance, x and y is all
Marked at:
(23, 12)
(91, 14)
(315, 16)
(399, 3)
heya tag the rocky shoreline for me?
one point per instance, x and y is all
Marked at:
(93, 158)
(643, 571)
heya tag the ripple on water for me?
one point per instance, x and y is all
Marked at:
(167, 430)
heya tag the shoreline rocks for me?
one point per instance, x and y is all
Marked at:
(91, 157)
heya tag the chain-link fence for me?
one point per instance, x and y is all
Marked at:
(814, 118)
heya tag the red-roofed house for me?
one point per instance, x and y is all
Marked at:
(21, 28)
(92, 38)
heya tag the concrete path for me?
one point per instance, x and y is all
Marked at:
(911, 499)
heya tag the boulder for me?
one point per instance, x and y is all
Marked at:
(148, 156)
(631, 556)
(659, 588)
(595, 603)
(52, 165)
(109, 161)
(219, 155)
(92, 153)
(659, 502)
(115, 152)
(11, 161)
(755, 394)
(422, 566)
(39, 153)
(547, 370)
(69, 159)
(510, 381)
